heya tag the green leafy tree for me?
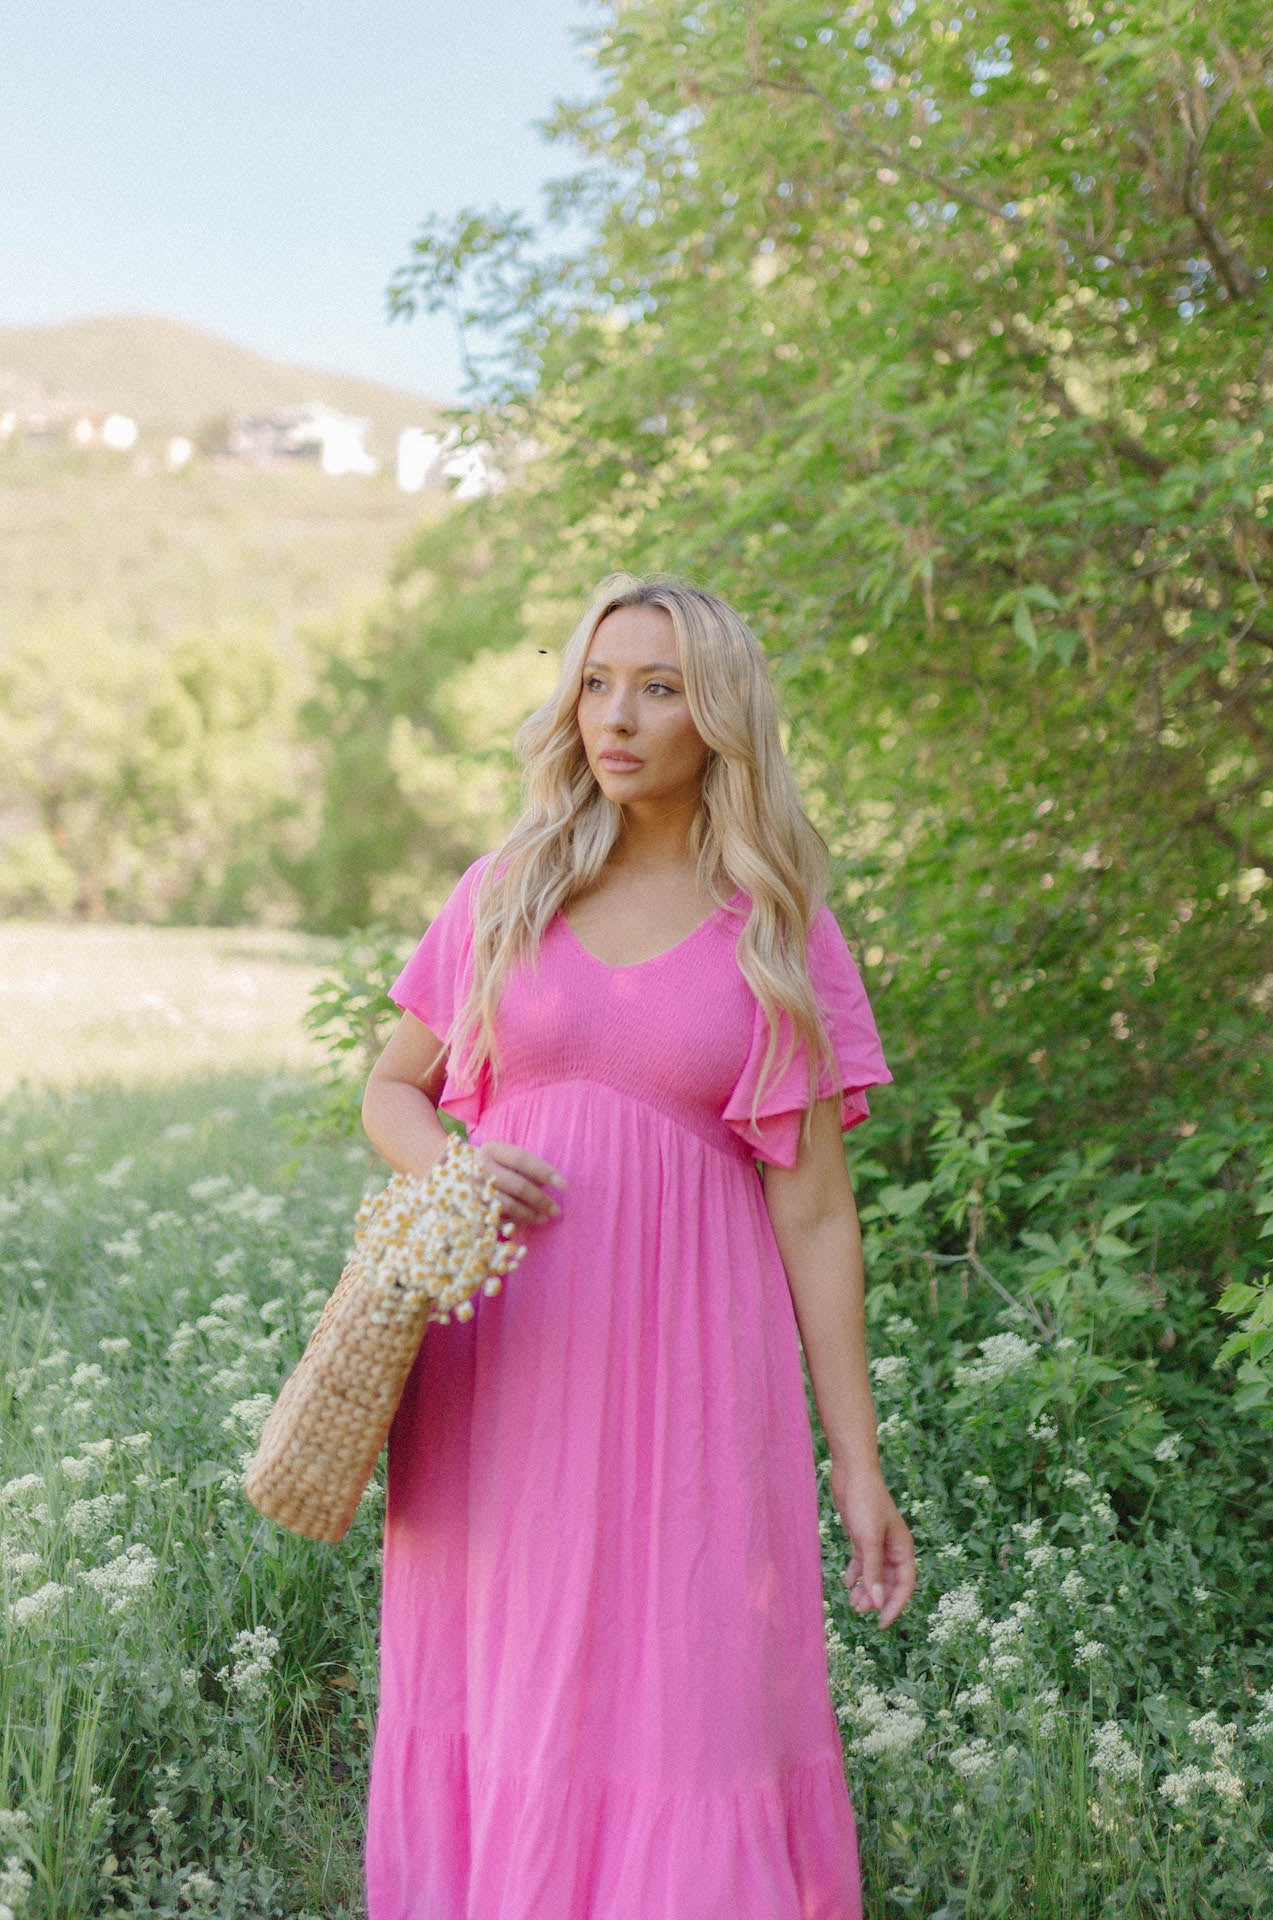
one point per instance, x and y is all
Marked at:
(938, 341)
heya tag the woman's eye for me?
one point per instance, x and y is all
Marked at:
(593, 680)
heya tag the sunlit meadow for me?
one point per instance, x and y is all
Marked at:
(1073, 1717)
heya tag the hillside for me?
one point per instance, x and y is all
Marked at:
(96, 542)
(170, 377)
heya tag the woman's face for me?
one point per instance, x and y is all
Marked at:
(632, 703)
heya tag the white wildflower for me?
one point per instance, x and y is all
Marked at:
(1042, 1429)
(135, 1442)
(209, 1187)
(121, 1579)
(1003, 1663)
(15, 1883)
(977, 1697)
(1168, 1447)
(252, 1657)
(180, 1130)
(19, 1565)
(15, 1491)
(14, 1823)
(181, 1342)
(117, 1343)
(34, 1609)
(1040, 1557)
(892, 1727)
(890, 1369)
(953, 1550)
(77, 1470)
(1208, 1730)
(1003, 1354)
(973, 1760)
(226, 1263)
(1073, 1588)
(1086, 1652)
(956, 1610)
(92, 1516)
(200, 1885)
(1180, 1788)
(1201, 1595)
(1076, 1478)
(115, 1176)
(1027, 1530)
(1114, 1757)
(1262, 1725)
(127, 1247)
(99, 1449)
(900, 1326)
(87, 1374)
(249, 1416)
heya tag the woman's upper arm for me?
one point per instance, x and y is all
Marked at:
(818, 1185)
(415, 1054)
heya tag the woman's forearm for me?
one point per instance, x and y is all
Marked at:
(825, 1274)
(402, 1124)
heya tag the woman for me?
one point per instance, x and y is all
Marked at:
(604, 1688)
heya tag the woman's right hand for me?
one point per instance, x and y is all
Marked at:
(522, 1181)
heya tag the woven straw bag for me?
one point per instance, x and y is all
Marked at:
(422, 1248)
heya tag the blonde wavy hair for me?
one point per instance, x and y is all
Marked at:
(750, 831)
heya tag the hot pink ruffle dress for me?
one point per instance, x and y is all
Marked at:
(604, 1689)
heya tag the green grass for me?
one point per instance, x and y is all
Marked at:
(166, 1251)
(138, 1006)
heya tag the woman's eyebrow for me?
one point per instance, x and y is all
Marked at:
(653, 666)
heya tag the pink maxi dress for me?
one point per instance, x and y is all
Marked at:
(604, 1691)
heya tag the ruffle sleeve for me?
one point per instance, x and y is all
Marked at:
(434, 985)
(855, 1043)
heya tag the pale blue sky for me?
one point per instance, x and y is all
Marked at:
(259, 167)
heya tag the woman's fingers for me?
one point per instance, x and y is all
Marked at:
(521, 1179)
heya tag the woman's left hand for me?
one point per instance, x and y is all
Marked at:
(882, 1571)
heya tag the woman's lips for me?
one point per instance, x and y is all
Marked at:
(619, 762)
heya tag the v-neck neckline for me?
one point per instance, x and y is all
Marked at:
(630, 966)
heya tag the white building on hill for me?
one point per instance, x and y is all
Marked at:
(432, 459)
(115, 430)
(336, 441)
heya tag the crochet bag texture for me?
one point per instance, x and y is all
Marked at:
(422, 1248)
